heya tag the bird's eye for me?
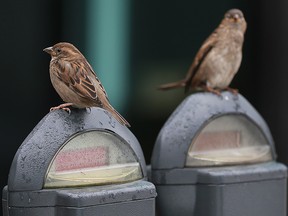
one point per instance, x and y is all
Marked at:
(58, 50)
(228, 16)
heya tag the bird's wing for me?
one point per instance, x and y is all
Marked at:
(78, 76)
(206, 47)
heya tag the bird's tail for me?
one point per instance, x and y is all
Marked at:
(117, 115)
(168, 86)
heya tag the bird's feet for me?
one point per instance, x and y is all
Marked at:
(63, 107)
(232, 90)
(214, 91)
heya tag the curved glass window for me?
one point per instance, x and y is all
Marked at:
(227, 140)
(93, 158)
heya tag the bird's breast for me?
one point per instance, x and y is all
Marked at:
(66, 93)
(221, 64)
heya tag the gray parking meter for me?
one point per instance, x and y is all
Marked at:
(85, 163)
(215, 156)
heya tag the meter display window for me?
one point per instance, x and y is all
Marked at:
(228, 140)
(93, 158)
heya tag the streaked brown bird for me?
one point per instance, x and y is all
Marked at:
(75, 81)
(218, 59)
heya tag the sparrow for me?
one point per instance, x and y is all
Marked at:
(75, 81)
(218, 59)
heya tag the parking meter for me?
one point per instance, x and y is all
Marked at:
(215, 156)
(85, 163)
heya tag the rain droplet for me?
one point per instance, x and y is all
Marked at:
(226, 97)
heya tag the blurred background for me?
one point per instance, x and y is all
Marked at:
(134, 46)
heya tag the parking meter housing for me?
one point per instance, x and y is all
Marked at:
(250, 188)
(28, 193)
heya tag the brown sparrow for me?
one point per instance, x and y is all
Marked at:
(218, 59)
(75, 81)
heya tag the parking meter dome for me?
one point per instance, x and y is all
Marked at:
(83, 163)
(80, 149)
(215, 156)
(210, 130)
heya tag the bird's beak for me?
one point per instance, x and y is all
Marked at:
(48, 50)
(236, 17)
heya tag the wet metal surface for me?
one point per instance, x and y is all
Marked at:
(33, 157)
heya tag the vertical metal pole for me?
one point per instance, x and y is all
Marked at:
(107, 46)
